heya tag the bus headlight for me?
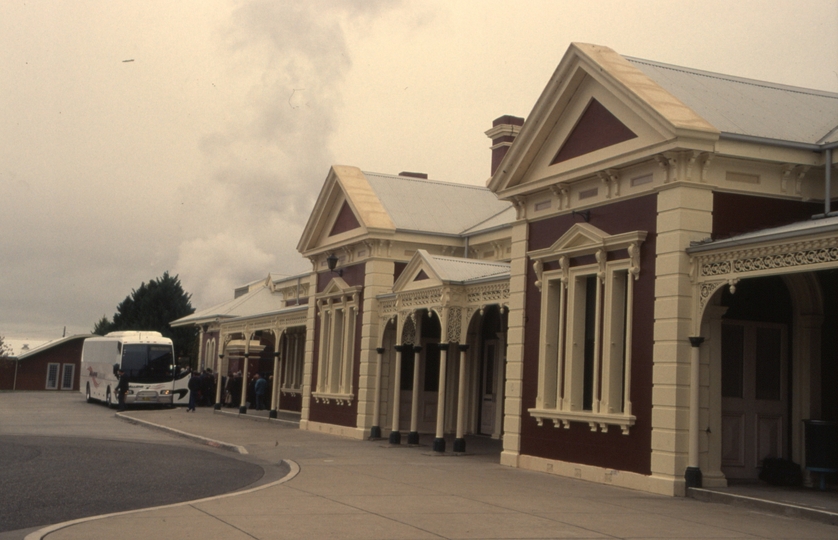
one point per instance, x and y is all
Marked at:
(165, 392)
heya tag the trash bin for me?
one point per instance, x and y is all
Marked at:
(821, 439)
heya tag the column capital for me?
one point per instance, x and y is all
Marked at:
(463, 347)
(380, 350)
(417, 349)
(442, 346)
(696, 341)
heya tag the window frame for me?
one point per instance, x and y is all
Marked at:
(562, 382)
(335, 359)
(72, 373)
(293, 355)
(53, 376)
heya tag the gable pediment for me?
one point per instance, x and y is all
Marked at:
(346, 209)
(337, 287)
(345, 221)
(418, 274)
(597, 128)
(597, 112)
(585, 239)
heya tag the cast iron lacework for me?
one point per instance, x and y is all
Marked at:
(488, 294)
(454, 324)
(421, 299)
(754, 260)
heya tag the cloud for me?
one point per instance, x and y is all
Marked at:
(211, 267)
(264, 168)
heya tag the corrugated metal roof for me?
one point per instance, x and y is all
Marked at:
(22, 355)
(750, 107)
(459, 270)
(416, 204)
(800, 229)
(257, 301)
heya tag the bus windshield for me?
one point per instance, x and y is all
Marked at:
(148, 364)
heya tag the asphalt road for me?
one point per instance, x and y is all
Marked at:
(64, 459)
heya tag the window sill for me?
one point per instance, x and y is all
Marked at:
(340, 399)
(597, 421)
(290, 391)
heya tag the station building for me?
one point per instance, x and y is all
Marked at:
(644, 293)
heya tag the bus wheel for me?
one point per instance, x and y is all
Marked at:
(87, 394)
(109, 399)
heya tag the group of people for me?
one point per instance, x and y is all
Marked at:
(201, 389)
(258, 391)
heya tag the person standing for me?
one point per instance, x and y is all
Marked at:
(194, 389)
(121, 388)
(260, 388)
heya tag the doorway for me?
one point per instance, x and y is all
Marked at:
(489, 391)
(755, 405)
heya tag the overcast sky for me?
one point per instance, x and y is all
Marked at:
(193, 136)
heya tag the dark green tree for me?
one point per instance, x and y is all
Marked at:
(5, 350)
(103, 326)
(152, 307)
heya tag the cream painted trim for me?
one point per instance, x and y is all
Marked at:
(326, 397)
(601, 475)
(620, 77)
(333, 429)
(585, 239)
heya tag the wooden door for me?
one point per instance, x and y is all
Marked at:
(489, 397)
(754, 396)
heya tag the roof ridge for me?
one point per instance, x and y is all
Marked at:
(732, 78)
(468, 260)
(493, 216)
(426, 180)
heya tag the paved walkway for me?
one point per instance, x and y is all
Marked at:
(340, 488)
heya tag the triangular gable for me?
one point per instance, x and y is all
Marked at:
(418, 274)
(541, 154)
(345, 221)
(346, 199)
(585, 239)
(597, 128)
(337, 286)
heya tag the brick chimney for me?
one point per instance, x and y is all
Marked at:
(408, 174)
(503, 132)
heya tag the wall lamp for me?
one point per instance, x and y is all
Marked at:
(332, 262)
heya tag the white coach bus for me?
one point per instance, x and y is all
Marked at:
(146, 357)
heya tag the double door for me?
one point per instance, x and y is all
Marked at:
(754, 396)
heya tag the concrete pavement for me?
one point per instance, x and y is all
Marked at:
(341, 488)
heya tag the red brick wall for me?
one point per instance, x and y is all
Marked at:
(579, 444)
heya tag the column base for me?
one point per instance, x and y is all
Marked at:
(395, 437)
(439, 445)
(692, 477)
(459, 446)
(217, 406)
(413, 437)
(242, 410)
(375, 432)
(272, 413)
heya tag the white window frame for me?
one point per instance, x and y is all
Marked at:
(210, 354)
(293, 355)
(338, 316)
(561, 377)
(65, 370)
(53, 373)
